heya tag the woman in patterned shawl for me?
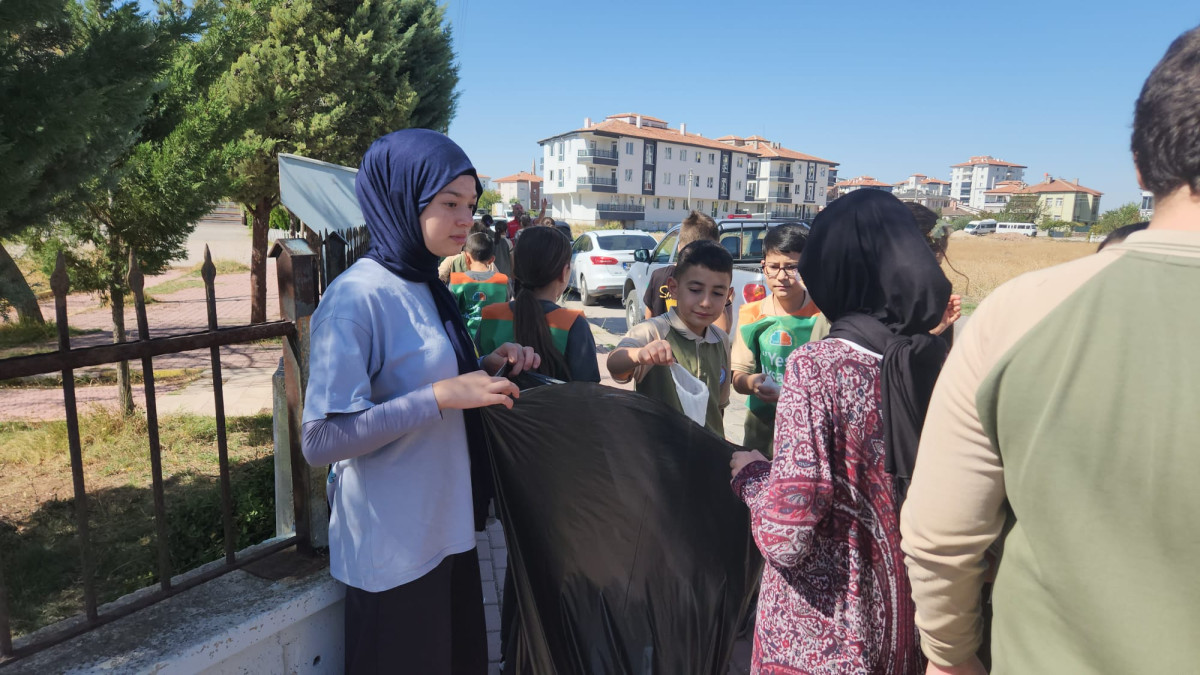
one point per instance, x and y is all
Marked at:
(835, 597)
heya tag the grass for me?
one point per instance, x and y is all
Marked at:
(988, 262)
(20, 333)
(37, 517)
(192, 279)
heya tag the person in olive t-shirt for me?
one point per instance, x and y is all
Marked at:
(768, 331)
(657, 298)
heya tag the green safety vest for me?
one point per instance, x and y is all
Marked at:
(474, 295)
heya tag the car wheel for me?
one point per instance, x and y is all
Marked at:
(584, 296)
(632, 316)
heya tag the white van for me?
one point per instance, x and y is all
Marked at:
(1027, 229)
(981, 227)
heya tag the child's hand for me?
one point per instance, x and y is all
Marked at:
(521, 358)
(474, 390)
(764, 387)
(657, 353)
(953, 313)
(742, 458)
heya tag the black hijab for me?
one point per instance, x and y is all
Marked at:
(871, 273)
(400, 175)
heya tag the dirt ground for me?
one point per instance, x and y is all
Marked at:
(978, 265)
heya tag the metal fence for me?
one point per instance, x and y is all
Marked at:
(300, 279)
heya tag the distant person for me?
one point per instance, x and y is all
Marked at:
(1067, 433)
(769, 331)
(393, 391)
(1121, 233)
(457, 264)
(502, 246)
(657, 297)
(686, 335)
(515, 225)
(482, 284)
(825, 512)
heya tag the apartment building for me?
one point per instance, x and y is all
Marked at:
(971, 179)
(638, 170)
(1066, 200)
(1147, 210)
(485, 181)
(931, 193)
(845, 187)
(525, 187)
(997, 198)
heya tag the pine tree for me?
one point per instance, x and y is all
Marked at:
(76, 80)
(327, 77)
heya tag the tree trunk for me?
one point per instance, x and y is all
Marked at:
(261, 210)
(15, 289)
(116, 297)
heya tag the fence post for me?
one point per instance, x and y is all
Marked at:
(296, 266)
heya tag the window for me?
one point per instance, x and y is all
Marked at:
(697, 156)
(648, 179)
(682, 155)
(714, 210)
(739, 163)
(710, 181)
(666, 247)
(739, 185)
(560, 150)
(700, 206)
(668, 152)
(697, 181)
(628, 174)
(629, 147)
(671, 204)
(667, 178)
(686, 206)
(681, 178)
(1058, 201)
(658, 202)
(712, 158)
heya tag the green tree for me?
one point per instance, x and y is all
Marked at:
(76, 81)
(488, 198)
(148, 202)
(1022, 208)
(1126, 214)
(328, 77)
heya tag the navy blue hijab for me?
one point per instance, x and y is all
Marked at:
(400, 175)
(871, 273)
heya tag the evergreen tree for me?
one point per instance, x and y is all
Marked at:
(329, 77)
(76, 79)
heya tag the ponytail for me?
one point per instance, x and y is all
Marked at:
(538, 261)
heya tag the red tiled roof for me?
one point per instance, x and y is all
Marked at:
(644, 117)
(863, 181)
(1059, 185)
(930, 181)
(1006, 187)
(521, 177)
(786, 153)
(989, 160)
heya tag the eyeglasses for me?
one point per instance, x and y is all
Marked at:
(773, 270)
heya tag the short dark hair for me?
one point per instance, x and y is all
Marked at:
(927, 223)
(481, 247)
(486, 219)
(703, 253)
(786, 238)
(1166, 120)
(1118, 235)
(695, 227)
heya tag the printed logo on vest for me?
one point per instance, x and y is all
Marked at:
(781, 338)
(480, 297)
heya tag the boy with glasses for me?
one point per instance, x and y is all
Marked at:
(768, 331)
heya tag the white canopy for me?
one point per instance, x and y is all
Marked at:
(319, 193)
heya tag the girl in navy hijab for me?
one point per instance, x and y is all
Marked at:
(392, 403)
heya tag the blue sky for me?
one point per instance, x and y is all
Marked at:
(885, 89)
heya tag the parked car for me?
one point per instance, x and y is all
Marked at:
(599, 260)
(981, 227)
(743, 238)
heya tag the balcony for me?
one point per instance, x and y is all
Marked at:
(620, 212)
(598, 157)
(782, 177)
(752, 172)
(781, 197)
(597, 184)
(751, 197)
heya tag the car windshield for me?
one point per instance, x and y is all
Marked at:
(625, 242)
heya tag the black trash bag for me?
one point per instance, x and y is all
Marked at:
(628, 550)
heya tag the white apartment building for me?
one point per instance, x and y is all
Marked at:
(524, 187)
(637, 170)
(974, 177)
(1146, 212)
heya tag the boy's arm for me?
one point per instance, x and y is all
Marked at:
(744, 365)
(628, 361)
